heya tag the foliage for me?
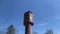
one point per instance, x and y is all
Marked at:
(49, 31)
(11, 30)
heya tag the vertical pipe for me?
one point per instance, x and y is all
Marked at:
(28, 29)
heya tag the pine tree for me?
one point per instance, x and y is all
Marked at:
(49, 31)
(11, 30)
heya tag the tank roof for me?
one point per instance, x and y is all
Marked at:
(28, 12)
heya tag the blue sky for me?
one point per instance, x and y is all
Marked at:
(46, 14)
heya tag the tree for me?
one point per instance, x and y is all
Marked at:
(11, 30)
(49, 31)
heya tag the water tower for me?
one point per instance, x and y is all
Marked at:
(28, 22)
